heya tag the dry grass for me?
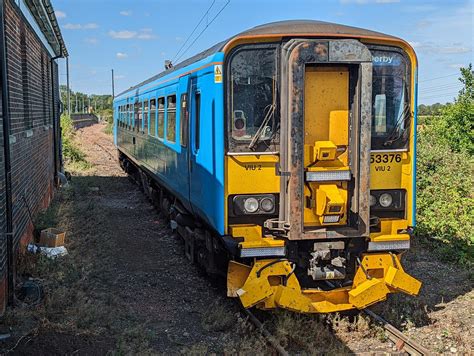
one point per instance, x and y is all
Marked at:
(74, 303)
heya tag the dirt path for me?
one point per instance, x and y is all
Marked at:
(127, 288)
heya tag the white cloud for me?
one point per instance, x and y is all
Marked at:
(146, 34)
(90, 26)
(414, 44)
(121, 55)
(143, 34)
(91, 40)
(119, 76)
(440, 48)
(60, 14)
(123, 35)
(457, 66)
(76, 26)
(126, 13)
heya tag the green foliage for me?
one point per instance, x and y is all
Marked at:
(100, 105)
(445, 183)
(430, 110)
(71, 153)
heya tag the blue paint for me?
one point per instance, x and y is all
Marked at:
(201, 188)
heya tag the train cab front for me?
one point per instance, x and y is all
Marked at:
(319, 173)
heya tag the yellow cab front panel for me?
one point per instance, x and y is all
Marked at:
(319, 169)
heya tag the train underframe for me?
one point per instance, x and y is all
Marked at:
(313, 276)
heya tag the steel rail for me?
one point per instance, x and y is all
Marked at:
(402, 342)
(269, 337)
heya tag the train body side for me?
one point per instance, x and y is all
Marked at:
(191, 170)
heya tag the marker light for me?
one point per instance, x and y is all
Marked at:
(389, 245)
(373, 200)
(267, 204)
(251, 205)
(327, 176)
(330, 219)
(262, 251)
(385, 200)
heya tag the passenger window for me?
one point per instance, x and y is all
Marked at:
(161, 117)
(129, 116)
(183, 120)
(145, 116)
(152, 127)
(197, 121)
(138, 112)
(140, 117)
(171, 119)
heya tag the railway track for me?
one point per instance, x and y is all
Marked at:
(265, 333)
(401, 341)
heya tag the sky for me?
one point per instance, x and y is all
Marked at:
(135, 37)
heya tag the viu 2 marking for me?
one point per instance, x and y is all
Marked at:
(253, 167)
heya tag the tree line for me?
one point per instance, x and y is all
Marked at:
(100, 105)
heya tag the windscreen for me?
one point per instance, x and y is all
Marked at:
(390, 111)
(253, 98)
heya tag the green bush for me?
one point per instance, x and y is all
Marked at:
(71, 153)
(445, 183)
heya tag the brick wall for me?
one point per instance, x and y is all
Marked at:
(30, 84)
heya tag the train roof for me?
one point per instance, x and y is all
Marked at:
(283, 28)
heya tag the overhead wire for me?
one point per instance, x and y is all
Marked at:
(439, 96)
(447, 87)
(204, 29)
(444, 76)
(194, 30)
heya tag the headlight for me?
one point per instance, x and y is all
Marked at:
(385, 200)
(251, 205)
(373, 200)
(267, 204)
(387, 203)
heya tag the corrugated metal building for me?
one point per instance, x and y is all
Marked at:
(30, 44)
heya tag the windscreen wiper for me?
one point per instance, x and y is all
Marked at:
(258, 134)
(398, 132)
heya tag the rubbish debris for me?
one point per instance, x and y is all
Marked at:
(5, 336)
(50, 252)
(53, 252)
(52, 237)
(30, 292)
(33, 248)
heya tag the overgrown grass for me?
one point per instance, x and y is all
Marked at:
(74, 158)
(445, 183)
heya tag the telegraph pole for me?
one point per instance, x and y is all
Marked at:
(113, 85)
(68, 89)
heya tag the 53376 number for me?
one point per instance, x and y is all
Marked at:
(386, 158)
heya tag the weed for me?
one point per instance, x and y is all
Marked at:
(219, 318)
(74, 158)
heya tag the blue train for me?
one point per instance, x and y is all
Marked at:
(285, 158)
